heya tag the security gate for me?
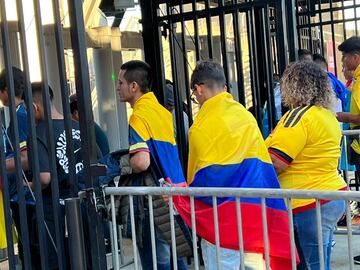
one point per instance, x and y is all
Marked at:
(249, 38)
(322, 25)
(13, 36)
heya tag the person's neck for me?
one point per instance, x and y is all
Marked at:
(55, 114)
(135, 99)
(18, 101)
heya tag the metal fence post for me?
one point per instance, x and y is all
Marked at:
(75, 232)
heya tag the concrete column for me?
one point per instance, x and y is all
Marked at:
(52, 67)
(112, 113)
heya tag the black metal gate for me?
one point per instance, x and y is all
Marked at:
(87, 142)
(323, 24)
(249, 38)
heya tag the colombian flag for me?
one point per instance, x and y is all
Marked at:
(227, 150)
(152, 130)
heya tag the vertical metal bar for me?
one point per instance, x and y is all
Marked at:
(349, 235)
(343, 17)
(83, 93)
(265, 233)
(68, 128)
(49, 125)
(223, 39)
(356, 26)
(282, 39)
(309, 26)
(321, 29)
(292, 236)
(346, 159)
(75, 232)
(186, 73)
(173, 238)
(112, 242)
(133, 231)
(65, 97)
(268, 67)
(193, 229)
(151, 35)
(238, 54)
(178, 111)
(209, 29)
(15, 135)
(152, 232)
(114, 233)
(32, 141)
(196, 32)
(217, 237)
(333, 35)
(294, 51)
(319, 233)
(6, 203)
(240, 233)
(254, 72)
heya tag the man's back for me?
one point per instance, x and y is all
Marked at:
(224, 133)
(62, 160)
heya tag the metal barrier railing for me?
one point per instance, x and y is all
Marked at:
(287, 195)
(345, 141)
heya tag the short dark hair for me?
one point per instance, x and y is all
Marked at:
(320, 60)
(19, 81)
(139, 72)
(73, 103)
(209, 73)
(302, 53)
(351, 45)
(37, 89)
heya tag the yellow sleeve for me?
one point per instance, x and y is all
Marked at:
(289, 137)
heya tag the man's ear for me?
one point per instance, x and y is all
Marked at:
(134, 86)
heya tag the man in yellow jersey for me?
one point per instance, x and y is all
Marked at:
(305, 150)
(152, 149)
(350, 49)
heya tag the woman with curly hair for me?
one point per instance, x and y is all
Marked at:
(305, 150)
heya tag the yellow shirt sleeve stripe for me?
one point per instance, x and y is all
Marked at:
(140, 145)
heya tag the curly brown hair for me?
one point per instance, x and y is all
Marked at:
(304, 83)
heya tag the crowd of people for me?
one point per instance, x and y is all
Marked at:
(226, 149)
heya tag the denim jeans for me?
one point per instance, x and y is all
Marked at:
(163, 254)
(306, 234)
(230, 259)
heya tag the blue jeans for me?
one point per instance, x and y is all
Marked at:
(306, 234)
(163, 254)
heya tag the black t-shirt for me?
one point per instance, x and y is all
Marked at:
(62, 161)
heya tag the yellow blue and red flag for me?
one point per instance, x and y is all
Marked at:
(227, 150)
(151, 129)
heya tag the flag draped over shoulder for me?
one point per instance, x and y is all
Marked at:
(151, 129)
(227, 150)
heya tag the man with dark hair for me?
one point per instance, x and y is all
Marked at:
(100, 136)
(305, 55)
(338, 87)
(21, 114)
(226, 149)
(153, 151)
(62, 164)
(350, 49)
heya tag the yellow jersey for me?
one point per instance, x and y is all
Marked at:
(308, 140)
